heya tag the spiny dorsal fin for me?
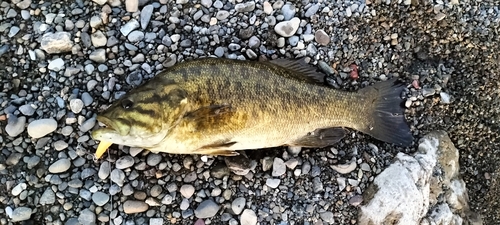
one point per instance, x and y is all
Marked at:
(301, 70)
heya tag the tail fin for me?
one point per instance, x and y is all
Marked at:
(387, 122)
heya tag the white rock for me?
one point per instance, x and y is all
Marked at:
(99, 55)
(18, 189)
(287, 28)
(41, 127)
(98, 39)
(21, 214)
(187, 190)
(100, 2)
(279, 167)
(273, 183)
(268, 8)
(248, 217)
(132, 5)
(76, 105)
(410, 188)
(345, 168)
(56, 42)
(238, 205)
(56, 64)
(445, 98)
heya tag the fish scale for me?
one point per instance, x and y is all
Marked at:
(218, 106)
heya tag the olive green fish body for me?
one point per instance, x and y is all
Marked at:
(217, 106)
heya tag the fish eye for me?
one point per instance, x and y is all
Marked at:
(127, 103)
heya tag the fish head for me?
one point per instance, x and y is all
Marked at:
(135, 120)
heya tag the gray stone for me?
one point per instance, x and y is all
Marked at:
(88, 124)
(21, 214)
(118, 176)
(95, 21)
(100, 198)
(48, 197)
(15, 125)
(13, 31)
(87, 217)
(58, 42)
(327, 217)
(60, 166)
(129, 27)
(99, 56)
(146, 14)
(279, 167)
(24, 4)
(87, 99)
(322, 37)
(312, 10)
(132, 5)
(245, 7)
(104, 170)
(288, 11)
(135, 36)
(124, 162)
(206, 209)
(41, 127)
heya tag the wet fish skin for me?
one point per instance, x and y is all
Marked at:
(217, 106)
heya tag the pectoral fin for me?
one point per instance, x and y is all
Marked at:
(320, 138)
(101, 149)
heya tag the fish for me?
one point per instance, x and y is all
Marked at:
(216, 106)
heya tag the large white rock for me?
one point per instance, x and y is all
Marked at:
(408, 191)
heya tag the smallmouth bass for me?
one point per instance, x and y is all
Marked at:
(217, 106)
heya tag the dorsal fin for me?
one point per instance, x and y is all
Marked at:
(301, 70)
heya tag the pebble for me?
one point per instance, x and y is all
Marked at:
(273, 183)
(187, 190)
(88, 124)
(279, 167)
(58, 42)
(317, 185)
(13, 31)
(23, 4)
(356, 200)
(327, 217)
(15, 125)
(206, 209)
(312, 10)
(129, 27)
(99, 56)
(322, 37)
(87, 99)
(445, 98)
(288, 11)
(135, 36)
(345, 168)
(268, 8)
(100, 198)
(156, 221)
(41, 127)
(60, 166)
(238, 205)
(87, 217)
(104, 170)
(56, 65)
(222, 15)
(287, 28)
(184, 204)
(131, 5)
(98, 39)
(146, 13)
(245, 7)
(341, 183)
(48, 197)
(206, 3)
(76, 105)
(132, 206)
(21, 214)
(248, 217)
(118, 177)
(18, 189)
(124, 162)
(100, 2)
(95, 21)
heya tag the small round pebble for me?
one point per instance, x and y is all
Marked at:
(132, 206)
(100, 198)
(238, 205)
(187, 190)
(248, 217)
(206, 209)
(60, 166)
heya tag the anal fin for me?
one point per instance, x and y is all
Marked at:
(218, 148)
(320, 138)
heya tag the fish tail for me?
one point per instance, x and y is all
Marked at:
(386, 119)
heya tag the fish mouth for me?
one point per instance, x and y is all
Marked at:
(115, 126)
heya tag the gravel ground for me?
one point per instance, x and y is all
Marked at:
(61, 63)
